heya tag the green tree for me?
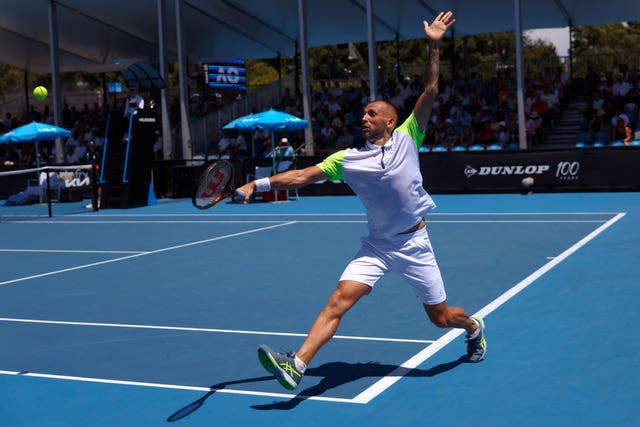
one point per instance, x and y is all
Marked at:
(606, 46)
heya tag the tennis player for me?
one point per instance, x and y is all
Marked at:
(385, 174)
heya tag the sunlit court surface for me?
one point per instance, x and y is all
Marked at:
(149, 316)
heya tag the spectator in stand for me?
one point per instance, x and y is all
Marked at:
(398, 99)
(485, 135)
(241, 148)
(328, 134)
(336, 123)
(598, 122)
(226, 146)
(593, 79)
(619, 115)
(621, 132)
(81, 150)
(284, 149)
(467, 136)
(503, 136)
(533, 125)
(464, 118)
(447, 135)
(72, 142)
(597, 101)
(620, 90)
(345, 140)
(540, 106)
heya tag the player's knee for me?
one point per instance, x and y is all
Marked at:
(336, 303)
(440, 320)
(438, 315)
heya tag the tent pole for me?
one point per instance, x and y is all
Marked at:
(304, 64)
(167, 142)
(55, 75)
(373, 59)
(185, 129)
(522, 132)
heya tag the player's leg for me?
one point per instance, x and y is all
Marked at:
(357, 280)
(289, 367)
(444, 316)
(324, 327)
(416, 261)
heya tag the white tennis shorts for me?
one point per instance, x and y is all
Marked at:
(410, 255)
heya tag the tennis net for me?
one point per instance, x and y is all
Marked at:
(47, 191)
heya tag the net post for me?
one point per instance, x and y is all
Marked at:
(48, 193)
(94, 187)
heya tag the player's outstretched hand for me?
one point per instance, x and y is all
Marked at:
(439, 26)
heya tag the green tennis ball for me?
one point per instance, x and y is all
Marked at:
(40, 92)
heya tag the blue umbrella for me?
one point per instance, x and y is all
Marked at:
(35, 131)
(272, 120)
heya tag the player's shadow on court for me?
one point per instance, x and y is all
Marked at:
(194, 406)
(336, 374)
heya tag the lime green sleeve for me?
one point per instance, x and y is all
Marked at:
(411, 128)
(332, 165)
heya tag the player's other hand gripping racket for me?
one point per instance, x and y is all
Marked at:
(215, 185)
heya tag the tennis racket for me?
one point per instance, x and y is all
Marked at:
(215, 185)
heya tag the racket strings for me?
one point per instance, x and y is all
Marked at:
(213, 185)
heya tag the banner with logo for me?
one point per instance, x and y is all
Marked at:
(557, 170)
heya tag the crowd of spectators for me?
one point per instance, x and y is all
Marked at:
(613, 101)
(467, 112)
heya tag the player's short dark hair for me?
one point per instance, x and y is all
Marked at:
(393, 108)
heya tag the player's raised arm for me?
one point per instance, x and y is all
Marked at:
(434, 33)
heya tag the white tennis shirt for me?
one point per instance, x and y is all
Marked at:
(387, 180)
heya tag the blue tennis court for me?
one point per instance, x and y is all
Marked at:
(154, 315)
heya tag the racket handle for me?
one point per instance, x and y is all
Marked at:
(238, 196)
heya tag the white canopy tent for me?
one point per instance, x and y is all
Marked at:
(49, 36)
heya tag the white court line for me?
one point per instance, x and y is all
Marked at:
(133, 221)
(217, 215)
(329, 214)
(189, 329)
(384, 383)
(170, 248)
(437, 221)
(172, 386)
(72, 251)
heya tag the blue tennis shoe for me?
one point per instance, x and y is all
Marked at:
(477, 347)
